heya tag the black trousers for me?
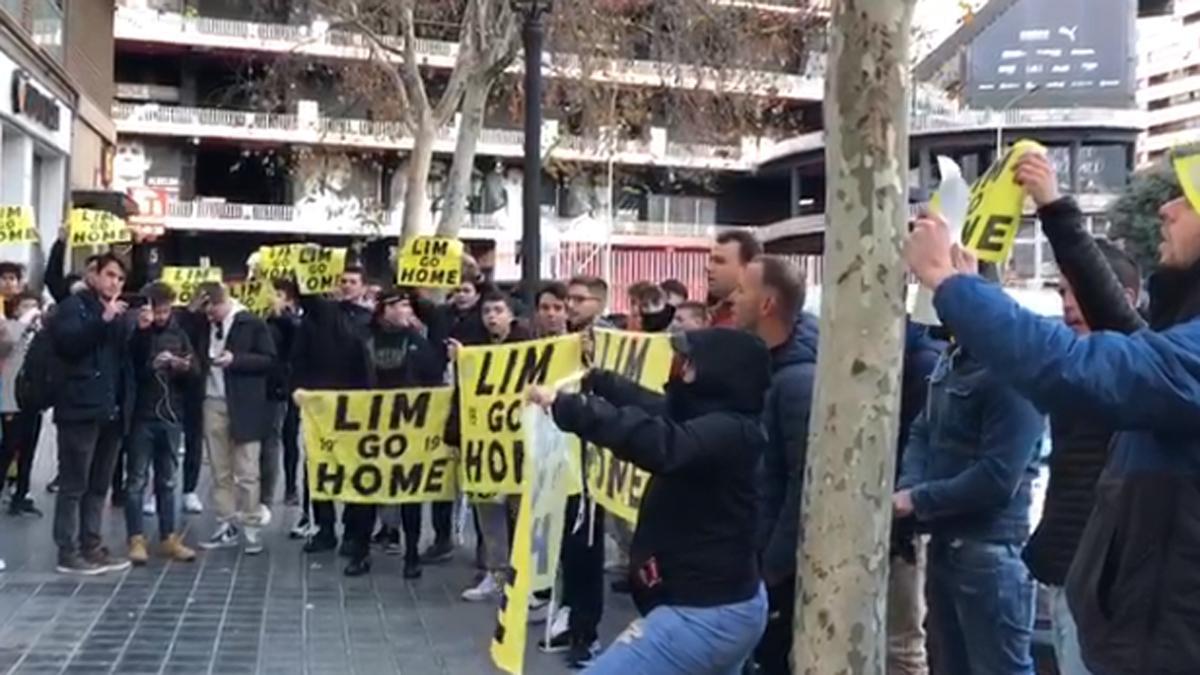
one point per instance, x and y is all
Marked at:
(291, 448)
(360, 524)
(193, 437)
(583, 571)
(87, 453)
(19, 433)
(774, 651)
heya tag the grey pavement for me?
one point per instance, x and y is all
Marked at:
(228, 613)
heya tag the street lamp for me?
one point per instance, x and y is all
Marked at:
(531, 196)
(1005, 108)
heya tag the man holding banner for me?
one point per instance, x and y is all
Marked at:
(693, 561)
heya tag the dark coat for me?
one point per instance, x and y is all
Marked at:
(253, 352)
(94, 360)
(329, 352)
(785, 416)
(160, 393)
(702, 444)
(921, 354)
(1134, 584)
(283, 333)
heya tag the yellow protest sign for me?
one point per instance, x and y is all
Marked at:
(88, 227)
(185, 280)
(434, 262)
(995, 207)
(275, 262)
(378, 446)
(492, 382)
(644, 358)
(258, 295)
(316, 269)
(16, 225)
(508, 642)
(1186, 160)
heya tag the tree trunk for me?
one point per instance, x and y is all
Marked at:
(474, 106)
(416, 191)
(847, 512)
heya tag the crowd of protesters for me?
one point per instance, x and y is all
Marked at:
(711, 564)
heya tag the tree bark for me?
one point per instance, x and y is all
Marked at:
(416, 190)
(474, 107)
(842, 574)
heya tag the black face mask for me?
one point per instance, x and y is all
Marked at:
(655, 322)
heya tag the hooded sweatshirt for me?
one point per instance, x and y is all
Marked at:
(701, 442)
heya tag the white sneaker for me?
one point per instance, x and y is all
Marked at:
(264, 515)
(225, 537)
(539, 609)
(303, 529)
(254, 544)
(488, 589)
(3, 565)
(560, 635)
(149, 507)
(192, 503)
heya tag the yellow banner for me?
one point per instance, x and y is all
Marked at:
(1186, 161)
(996, 206)
(316, 269)
(434, 262)
(492, 382)
(378, 447)
(185, 280)
(508, 642)
(258, 295)
(88, 227)
(16, 225)
(644, 358)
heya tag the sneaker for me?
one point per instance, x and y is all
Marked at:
(192, 503)
(438, 552)
(264, 515)
(23, 507)
(3, 565)
(358, 567)
(138, 555)
(77, 565)
(560, 633)
(303, 529)
(291, 500)
(319, 544)
(101, 558)
(412, 569)
(254, 544)
(582, 654)
(539, 609)
(173, 549)
(149, 507)
(225, 537)
(392, 545)
(489, 588)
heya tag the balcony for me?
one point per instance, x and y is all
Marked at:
(318, 40)
(966, 121)
(186, 122)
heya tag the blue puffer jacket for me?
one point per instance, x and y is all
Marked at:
(1134, 587)
(971, 456)
(785, 416)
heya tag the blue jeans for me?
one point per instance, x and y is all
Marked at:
(152, 442)
(1066, 637)
(687, 640)
(980, 608)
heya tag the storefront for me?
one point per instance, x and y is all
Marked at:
(36, 120)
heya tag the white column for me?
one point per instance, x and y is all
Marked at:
(16, 187)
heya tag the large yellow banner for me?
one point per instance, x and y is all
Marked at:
(185, 280)
(644, 358)
(996, 206)
(434, 262)
(491, 384)
(258, 295)
(88, 227)
(316, 269)
(16, 225)
(380, 446)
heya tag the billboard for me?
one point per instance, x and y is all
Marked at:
(1072, 53)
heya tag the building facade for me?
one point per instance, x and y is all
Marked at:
(1169, 78)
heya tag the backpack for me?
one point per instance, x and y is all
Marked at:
(40, 375)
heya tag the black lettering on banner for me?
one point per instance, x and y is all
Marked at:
(340, 420)
(472, 459)
(428, 277)
(330, 477)
(497, 462)
(367, 479)
(499, 420)
(409, 482)
(618, 471)
(435, 477)
(312, 255)
(994, 233)
(534, 366)
(372, 446)
(636, 486)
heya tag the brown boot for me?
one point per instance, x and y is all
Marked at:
(138, 555)
(174, 549)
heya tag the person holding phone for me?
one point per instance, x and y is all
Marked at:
(162, 359)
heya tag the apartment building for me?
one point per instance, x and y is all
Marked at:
(214, 161)
(1169, 78)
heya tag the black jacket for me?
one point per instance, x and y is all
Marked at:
(402, 357)
(160, 392)
(329, 352)
(283, 333)
(701, 443)
(466, 326)
(94, 360)
(246, 377)
(788, 403)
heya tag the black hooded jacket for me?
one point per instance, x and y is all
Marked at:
(702, 442)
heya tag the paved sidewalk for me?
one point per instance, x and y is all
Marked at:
(227, 613)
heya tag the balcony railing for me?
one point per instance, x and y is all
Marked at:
(154, 119)
(318, 40)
